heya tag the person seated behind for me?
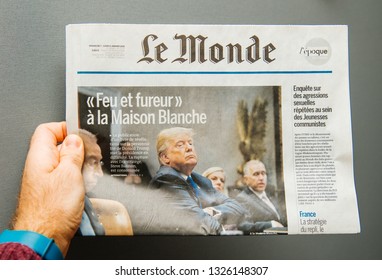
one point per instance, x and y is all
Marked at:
(262, 212)
(188, 203)
(217, 177)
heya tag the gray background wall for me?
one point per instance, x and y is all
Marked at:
(32, 88)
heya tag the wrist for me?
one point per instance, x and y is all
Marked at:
(51, 231)
(42, 245)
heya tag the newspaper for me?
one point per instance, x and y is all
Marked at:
(269, 108)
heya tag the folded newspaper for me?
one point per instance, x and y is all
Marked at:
(212, 129)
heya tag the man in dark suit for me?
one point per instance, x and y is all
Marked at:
(263, 212)
(188, 203)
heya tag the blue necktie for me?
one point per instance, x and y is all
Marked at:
(195, 187)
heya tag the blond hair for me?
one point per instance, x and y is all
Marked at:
(167, 135)
(211, 170)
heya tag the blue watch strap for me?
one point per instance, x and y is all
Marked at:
(39, 243)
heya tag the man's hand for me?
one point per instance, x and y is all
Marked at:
(52, 193)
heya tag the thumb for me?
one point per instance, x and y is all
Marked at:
(72, 152)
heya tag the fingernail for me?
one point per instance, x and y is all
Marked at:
(72, 141)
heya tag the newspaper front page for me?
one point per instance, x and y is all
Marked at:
(213, 129)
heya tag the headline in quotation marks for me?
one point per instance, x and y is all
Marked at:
(128, 109)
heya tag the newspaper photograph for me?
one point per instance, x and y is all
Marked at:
(212, 129)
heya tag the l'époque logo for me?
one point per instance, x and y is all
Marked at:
(317, 51)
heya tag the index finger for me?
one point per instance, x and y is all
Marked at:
(50, 133)
(43, 147)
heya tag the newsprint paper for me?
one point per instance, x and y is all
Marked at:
(212, 129)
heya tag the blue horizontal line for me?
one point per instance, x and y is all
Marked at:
(203, 72)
